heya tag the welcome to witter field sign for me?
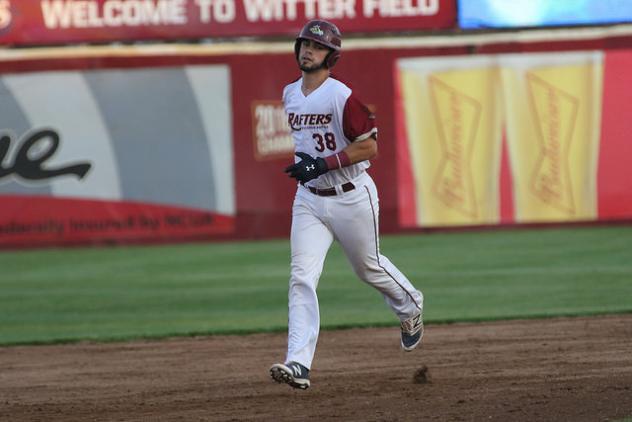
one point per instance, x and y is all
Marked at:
(33, 22)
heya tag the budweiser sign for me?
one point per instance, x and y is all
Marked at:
(556, 113)
(458, 119)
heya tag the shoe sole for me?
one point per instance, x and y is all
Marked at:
(411, 348)
(283, 374)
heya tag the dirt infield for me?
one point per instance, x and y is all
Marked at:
(577, 369)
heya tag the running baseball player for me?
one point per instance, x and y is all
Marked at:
(334, 136)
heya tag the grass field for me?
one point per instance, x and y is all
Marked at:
(59, 295)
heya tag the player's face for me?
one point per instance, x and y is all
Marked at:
(311, 55)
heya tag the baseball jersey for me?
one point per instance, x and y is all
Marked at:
(325, 122)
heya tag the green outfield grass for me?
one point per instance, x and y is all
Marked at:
(130, 292)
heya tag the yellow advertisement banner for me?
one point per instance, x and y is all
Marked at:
(455, 109)
(553, 118)
(453, 125)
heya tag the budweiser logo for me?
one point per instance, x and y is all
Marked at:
(272, 137)
(458, 118)
(556, 113)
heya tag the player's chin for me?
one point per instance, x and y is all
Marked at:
(308, 67)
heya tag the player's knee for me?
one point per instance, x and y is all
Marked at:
(368, 272)
(301, 278)
(299, 282)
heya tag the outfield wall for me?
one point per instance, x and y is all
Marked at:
(181, 142)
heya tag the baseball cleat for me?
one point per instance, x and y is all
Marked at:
(293, 374)
(412, 332)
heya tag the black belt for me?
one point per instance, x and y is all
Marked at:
(331, 191)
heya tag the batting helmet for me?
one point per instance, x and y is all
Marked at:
(322, 32)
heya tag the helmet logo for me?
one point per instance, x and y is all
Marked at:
(316, 30)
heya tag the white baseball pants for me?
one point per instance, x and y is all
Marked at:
(352, 219)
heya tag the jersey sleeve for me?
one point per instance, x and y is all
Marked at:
(357, 120)
(284, 94)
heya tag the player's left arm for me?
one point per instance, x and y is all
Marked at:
(355, 152)
(359, 127)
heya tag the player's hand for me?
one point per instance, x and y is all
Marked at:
(307, 169)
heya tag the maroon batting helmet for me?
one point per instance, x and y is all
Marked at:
(322, 32)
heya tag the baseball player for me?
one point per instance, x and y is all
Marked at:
(334, 136)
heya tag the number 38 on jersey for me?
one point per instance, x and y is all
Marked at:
(328, 140)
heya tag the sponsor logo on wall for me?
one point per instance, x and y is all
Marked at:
(557, 114)
(31, 152)
(545, 108)
(553, 126)
(271, 132)
(458, 118)
(124, 171)
(453, 135)
(61, 21)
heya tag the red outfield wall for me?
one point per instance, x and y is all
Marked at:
(261, 193)
(264, 194)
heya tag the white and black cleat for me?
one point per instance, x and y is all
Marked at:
(412, 332)
(293, 373)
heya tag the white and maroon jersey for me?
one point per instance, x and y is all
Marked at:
(325, 122)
